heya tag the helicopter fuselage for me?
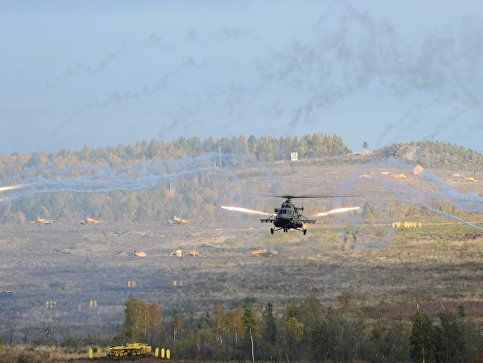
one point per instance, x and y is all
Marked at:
(288, 216)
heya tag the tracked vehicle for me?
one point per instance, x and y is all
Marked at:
(129, 349)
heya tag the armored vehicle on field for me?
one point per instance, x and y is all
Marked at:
(129, 349)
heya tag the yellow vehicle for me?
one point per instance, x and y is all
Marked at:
(89, 220)
(178, 220)
(263, 252)
(42, 221)
(129, 349)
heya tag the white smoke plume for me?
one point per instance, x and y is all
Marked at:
(350, 50)
(337, 211)
(158, 43)
(433, 192)
(7, 188)
(102, 178)
(153, 41)
(246, 211)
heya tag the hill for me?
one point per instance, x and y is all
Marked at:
(434, 154)
(152, 181)
(133, 182)
(263, 149)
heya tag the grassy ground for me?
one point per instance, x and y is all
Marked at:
(385, 269)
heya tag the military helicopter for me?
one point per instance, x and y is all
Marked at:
(288, 216)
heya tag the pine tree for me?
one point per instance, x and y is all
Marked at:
(422, 339)
(450, 339)
(270, 326)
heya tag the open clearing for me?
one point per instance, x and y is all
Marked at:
(71, 264)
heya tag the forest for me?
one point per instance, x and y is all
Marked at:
(187, 194)
(263, 149)
(155, 158)
(435, 154)
(303, 330)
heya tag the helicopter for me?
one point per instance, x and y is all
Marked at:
(289, 216)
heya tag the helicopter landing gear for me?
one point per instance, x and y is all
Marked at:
(303, 230)
(272, 230)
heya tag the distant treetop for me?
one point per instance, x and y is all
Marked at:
(264, 149)
(434, 154)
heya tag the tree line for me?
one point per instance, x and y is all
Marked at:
(304, 330)
(184, 196)
(195, 197)
(263, 149)
(435, 154)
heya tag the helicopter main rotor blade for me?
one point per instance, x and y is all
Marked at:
(245, 210)
(287, 196)
(337, 211)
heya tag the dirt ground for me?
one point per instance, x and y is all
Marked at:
(71, 265)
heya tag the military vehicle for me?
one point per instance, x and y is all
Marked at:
(178, 220)
(288, 216)
(42, 221)
(180, 253)
(89, 220)
(263, 252)
(130, 349)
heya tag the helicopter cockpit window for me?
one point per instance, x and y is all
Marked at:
(285, 211)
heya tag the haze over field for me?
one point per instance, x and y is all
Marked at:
(102, 73)
(241, 180)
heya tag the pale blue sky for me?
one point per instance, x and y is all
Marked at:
(108, 72)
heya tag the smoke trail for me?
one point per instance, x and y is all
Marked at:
(105, 170)
(406, 194)
(466, 202)
(102, 186)
(351, 50)
(153, 41)
(118, 97)
(11, 187)
(337, 211)
(101, 178)
(223, 35)
(159, 43)
(469, 202)
(247, 211)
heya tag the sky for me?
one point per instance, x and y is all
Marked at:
(100, 73)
